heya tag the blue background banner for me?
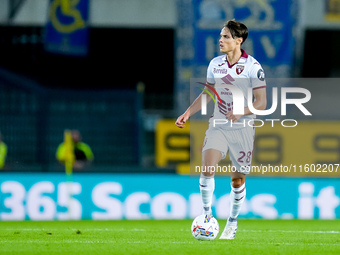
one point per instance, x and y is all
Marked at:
(270, 40)
(66, 31)
(270, 25)
(115, 196)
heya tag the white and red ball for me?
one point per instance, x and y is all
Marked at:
(205, 228)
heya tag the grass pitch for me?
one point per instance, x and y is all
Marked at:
(168, 237)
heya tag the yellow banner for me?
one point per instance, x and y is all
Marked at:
(312, 148)
(332, 10)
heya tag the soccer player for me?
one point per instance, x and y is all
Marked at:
(235, 67)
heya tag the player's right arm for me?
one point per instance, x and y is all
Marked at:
(193, 108)
(196, 105)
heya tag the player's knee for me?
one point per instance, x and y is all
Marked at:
(208, 173)
(209, 168)
(237, 182)
(210, 162)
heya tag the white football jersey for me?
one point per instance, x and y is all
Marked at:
(246, 73)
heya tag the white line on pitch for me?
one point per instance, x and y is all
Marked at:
(140, 230)
(72, 229)
(294, 231)
(134, 242)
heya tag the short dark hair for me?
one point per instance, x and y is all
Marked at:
(237, 29)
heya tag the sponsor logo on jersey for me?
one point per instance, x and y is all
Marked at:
(260, 75)
(239, 69)
(220, 70)
(221, 64)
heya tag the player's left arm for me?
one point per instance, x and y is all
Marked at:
(259, 104)
(260, 100)
(258, 84)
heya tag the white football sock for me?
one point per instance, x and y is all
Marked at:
(207, 186)
(237, 196)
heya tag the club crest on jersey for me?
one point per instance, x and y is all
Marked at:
(239, 69)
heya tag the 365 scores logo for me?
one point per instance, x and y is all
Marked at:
(238, 106)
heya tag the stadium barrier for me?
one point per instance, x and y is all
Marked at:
(33, 119)
(163, 196)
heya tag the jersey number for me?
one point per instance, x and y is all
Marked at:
(244, 156)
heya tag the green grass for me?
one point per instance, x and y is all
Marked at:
(168, 237)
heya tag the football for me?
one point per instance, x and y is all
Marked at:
(205, 228)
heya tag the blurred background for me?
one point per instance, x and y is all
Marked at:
(117, 73)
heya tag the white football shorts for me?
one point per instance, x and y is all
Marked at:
(239, 143)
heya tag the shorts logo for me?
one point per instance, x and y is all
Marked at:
(205, 142)
(260, 75)
(239, 69)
